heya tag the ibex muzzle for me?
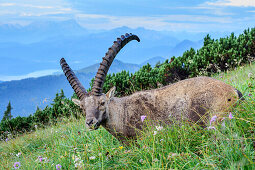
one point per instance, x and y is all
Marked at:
(190, 99)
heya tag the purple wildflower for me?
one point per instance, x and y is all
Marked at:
(143, 117)
(230, 116)
(249, 94)
(16, 165)
(6, 140)
(213, 119)
(58, 166)
(40, 158)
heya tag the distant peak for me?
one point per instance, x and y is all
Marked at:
(65, 23)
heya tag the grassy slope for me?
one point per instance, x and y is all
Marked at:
(186, 147)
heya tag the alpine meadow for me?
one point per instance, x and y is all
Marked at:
(127, 85)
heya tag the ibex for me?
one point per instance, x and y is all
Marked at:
(188, 99)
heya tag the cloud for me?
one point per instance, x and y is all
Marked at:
(235, 3)
(162, 22)
(7, 4)
(38, 14)
(175, 15)
(36, 6)
(28, 8)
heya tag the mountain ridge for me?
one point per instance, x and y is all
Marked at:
(26, 94)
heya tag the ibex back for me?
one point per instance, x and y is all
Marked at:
(190, 99)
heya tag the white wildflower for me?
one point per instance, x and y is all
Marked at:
(155, 132)
(159, 128)
(211, 127)
(92, 157)
(250, 75)
(223, 124)
(76, 159)
(78, 163)
(18, 154)
(171, 155)
(155, 160)
(174, 154)
(46, 160)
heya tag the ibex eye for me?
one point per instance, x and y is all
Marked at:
(102, 103)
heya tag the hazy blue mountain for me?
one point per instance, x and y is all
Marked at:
(153, 61)
(184, 46)
(25, 95)
(39, 30)
(117, 66)
(40, 45)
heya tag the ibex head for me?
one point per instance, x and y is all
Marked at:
(95, 103)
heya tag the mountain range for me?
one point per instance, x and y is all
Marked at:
(38, 46)
(25, 95)
(39, 31)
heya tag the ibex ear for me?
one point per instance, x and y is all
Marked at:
(111, 92)
(77, 102)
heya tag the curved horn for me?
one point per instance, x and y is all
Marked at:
(73, 80)
(107, 61)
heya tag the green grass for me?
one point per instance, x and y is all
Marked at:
(229, 146)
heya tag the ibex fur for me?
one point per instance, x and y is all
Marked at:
(190, 99)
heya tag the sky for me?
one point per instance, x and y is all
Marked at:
(163, 15)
